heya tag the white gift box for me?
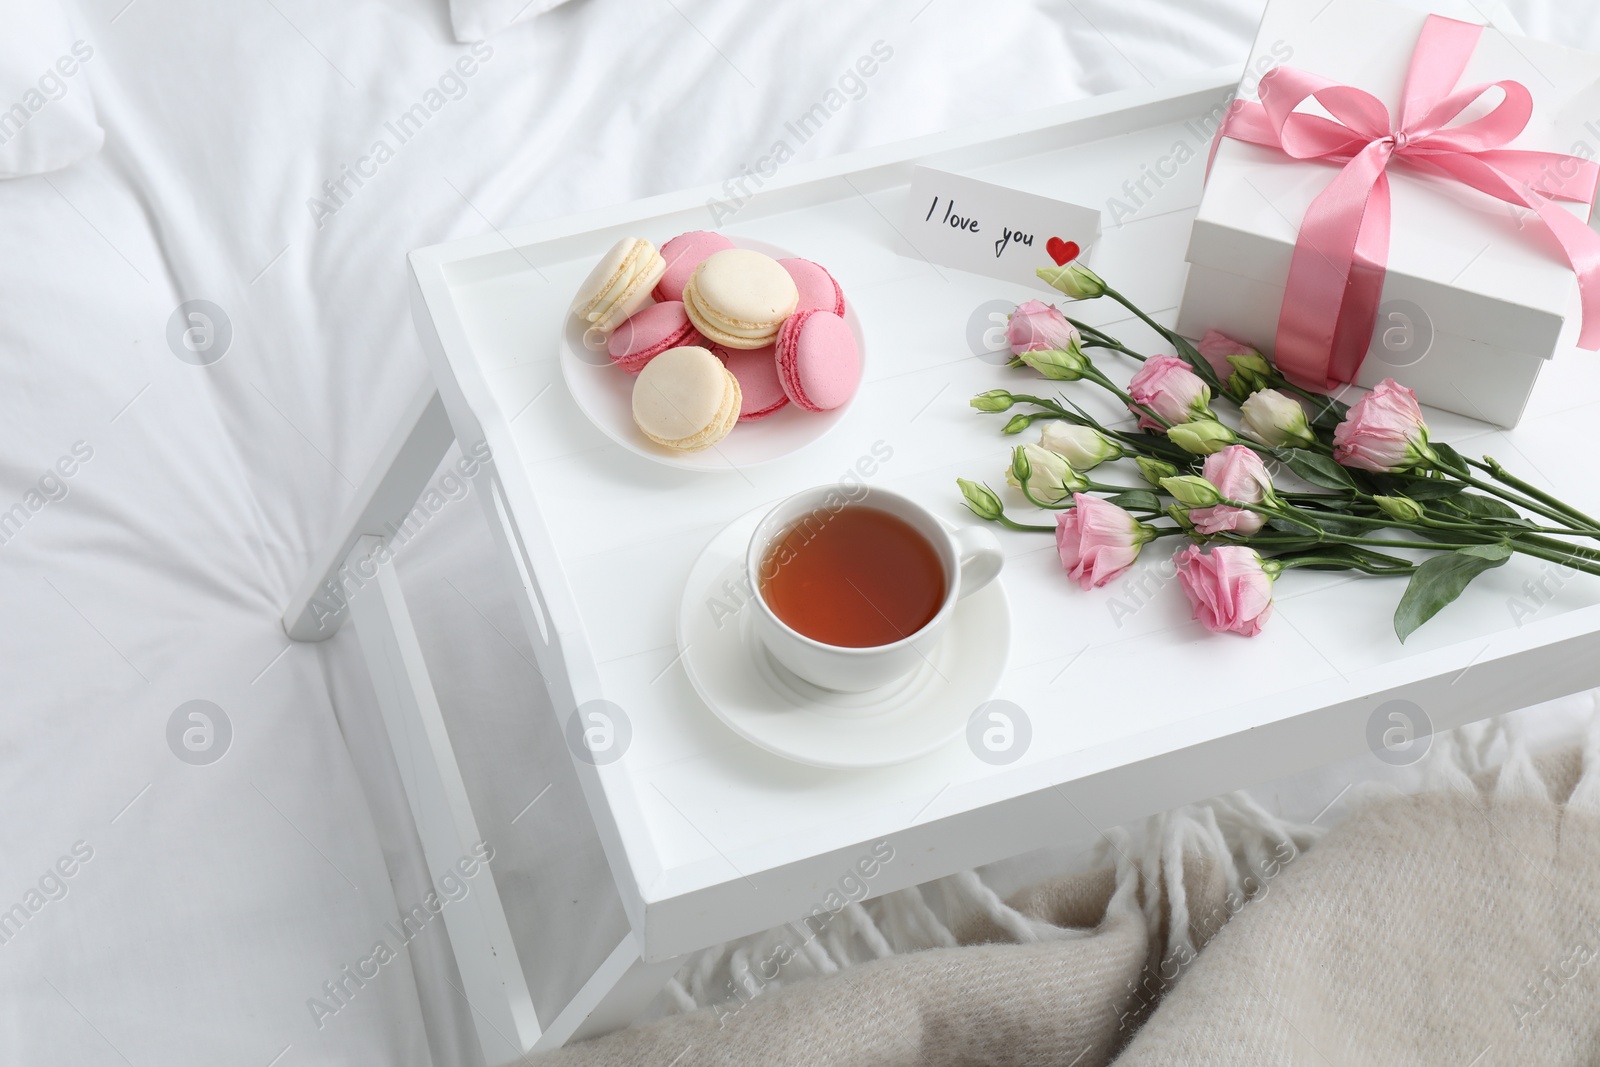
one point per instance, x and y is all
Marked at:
(1477, 294)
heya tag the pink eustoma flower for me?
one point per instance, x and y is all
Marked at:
(1167, 386)
(1229, 589)
(1238, 474)
(1384, 432)
(1037, 327)
(1097, 540)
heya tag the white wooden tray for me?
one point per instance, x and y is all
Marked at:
(1132, 707)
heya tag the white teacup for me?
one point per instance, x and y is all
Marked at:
(970, 558)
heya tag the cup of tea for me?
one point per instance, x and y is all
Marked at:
(852, 594)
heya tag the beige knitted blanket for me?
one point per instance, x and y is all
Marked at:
(1456, 926)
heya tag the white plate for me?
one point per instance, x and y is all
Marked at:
(604, 392)
(771, 708)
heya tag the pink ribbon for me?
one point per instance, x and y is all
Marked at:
(1336, 275)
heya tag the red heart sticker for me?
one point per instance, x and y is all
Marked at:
(1063, 252)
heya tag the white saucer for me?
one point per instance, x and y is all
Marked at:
(768, 706)
(604, 393)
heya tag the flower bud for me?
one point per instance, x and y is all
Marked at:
(1083, 446)
(1180, 515)
(1202, 437)
(1155, 469)
(1192, 491)
(1401, 508)
(1021, 468)
(980, 499)
(1074, 279)
(1057, 364)
(1275, 419)
(1017, 423)
(1241, 369)
(1048, 477)
(1251, 373)
(993, 400)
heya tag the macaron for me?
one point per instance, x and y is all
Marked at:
(685, 399)
(739, 298)
(649, 332)
(818, 290)
(683, 254)
(757, 372)
(819, 363)
(620, 283)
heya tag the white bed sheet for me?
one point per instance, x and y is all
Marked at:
(218, 899)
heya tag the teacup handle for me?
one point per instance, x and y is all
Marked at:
(980, 557)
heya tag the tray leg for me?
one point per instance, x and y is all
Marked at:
(491, 972)
(390, 490)
(613, 997)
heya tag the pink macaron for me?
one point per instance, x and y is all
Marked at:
(756, 370)
(818, 290)
(819, 362)
(649, 332)
(683, 254)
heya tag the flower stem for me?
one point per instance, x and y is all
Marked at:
(1028, 495)
(1102, 488)
(1528, 543)
(1115, 347)
(1381, 542)
(1345, 564)
(1039, 401)
(1005, 521)
(1550, 544)
(1531, 505)
(1148, 321)
(1091, 331)
(1500, 474)
(1565, 559)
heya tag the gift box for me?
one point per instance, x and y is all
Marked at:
(1475, 291)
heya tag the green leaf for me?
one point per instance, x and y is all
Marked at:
(1448, 537)
(1294, 524)
(1316, 468)
(1478, 506)
(1440, 580)
(1136, 498)
(1419, 488)
(1337, 557)
(1328, 413)
(1344, 557)
(1334, 525)
(1450, 458)
(1380, 558)
(1281, 545)
(1154, 446)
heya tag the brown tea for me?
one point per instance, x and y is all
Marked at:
(856, 577)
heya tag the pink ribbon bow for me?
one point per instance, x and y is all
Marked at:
(1336, 275)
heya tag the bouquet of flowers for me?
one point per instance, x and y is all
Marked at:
(1369, 481)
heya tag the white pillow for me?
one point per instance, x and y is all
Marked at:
(47, 117)
(478, 20)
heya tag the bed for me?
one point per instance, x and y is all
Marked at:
(232, 874)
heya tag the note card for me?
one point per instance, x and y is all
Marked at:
(956, 221)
